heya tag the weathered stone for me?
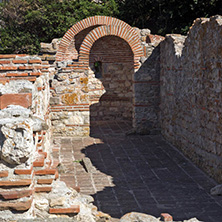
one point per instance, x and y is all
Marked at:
(50, 47)
(57, 201)
(88, 165)
(60, 189)
(138, 217)
(192, 220)
(42, 203)
(85, 217)
(84, 199)
(145, 32)
(54, 100)
(39, 123)
(217, 190)
(102, 217)
(15, 111)
(17, 86)
(17, 140)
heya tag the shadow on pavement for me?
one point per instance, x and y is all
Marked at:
(148, 176)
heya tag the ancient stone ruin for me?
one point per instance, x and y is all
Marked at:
(103, 70)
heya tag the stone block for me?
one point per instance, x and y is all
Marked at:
(17, 140)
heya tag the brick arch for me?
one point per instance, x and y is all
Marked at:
(64, 53)
(119, 31)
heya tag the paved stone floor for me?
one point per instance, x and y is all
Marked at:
(139, 173)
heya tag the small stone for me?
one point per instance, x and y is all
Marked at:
(54, 100)
(217, 190)
(102, 215)
(60, 201)
(60, 188)
(138, 217)
(41, 214)
(39, 124)
(88, 165)
(145, 32)
(192, 220)
(84, 218)
(41, 204)
(61, 168)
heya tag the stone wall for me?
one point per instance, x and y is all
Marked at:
(147, 85)
(191, 93)
(69, 102)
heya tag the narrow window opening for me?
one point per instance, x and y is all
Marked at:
(98, 69)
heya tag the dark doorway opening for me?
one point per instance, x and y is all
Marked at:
(112, 62)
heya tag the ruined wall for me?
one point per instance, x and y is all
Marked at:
(76, 88)
(191, 77)
(69, 102)
(26, 161)
(127, 87)
(175, 86)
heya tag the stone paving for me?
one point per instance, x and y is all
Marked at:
(141, 173)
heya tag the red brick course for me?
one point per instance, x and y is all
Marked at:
(19, 61)
(22, 99)
(19, 206)
(71, 210)
(14, 183)
(23, 171)
(3, 173)
(15, 194)
(44, 181)
(43, 189)
(35, 61)
(45, 172)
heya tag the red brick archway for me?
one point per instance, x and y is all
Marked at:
(65, 51)
(111, 30)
